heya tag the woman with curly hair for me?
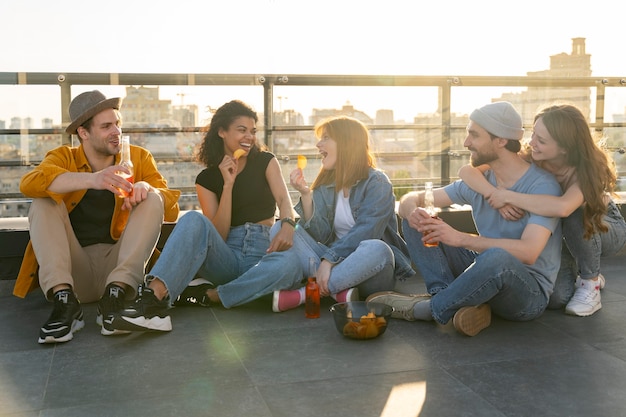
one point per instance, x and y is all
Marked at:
(238, 191)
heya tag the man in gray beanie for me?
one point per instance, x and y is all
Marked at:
(510, 267)
(89, 242)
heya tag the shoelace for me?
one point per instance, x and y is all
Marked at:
(587, 293)
(407, 313)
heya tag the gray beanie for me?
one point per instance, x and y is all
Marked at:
(500, 119)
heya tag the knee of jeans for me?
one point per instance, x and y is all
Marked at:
(375, 248)
(191, 217)
(194, 221)
(495, 255)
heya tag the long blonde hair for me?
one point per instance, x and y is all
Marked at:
(594, 168)
(354, 158)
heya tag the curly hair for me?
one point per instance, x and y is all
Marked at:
(211, 151)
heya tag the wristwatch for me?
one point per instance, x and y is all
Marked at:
(288, 220)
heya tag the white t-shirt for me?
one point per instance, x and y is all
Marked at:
(343, 215)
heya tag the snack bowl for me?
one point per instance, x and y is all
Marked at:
(361, 320)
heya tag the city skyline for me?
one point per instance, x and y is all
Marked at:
(484, 37)
(171, 106)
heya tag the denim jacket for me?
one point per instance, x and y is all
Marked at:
(373, 207)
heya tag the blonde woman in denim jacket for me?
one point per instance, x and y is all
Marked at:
(347, 226)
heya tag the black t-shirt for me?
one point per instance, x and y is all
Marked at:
(252, 197)
(91, 218)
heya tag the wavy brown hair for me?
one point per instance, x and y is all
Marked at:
(595, 170)
(354, 158)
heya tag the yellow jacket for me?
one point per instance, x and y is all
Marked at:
(66, 159)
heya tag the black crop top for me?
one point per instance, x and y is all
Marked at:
(253, 200)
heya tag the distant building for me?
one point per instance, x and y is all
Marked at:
(576, 64)
(384, 117)
(47, 123)
(142, 106)
(21, 123)
(186, 115)
(347, 110)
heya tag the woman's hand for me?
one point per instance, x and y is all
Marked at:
(322, 276)
(283, 239)
(296, 178)
(499, 201)
(228, 168)
(437, 230)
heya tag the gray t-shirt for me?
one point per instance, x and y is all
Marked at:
(489, 222)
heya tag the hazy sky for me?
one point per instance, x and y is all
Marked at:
(416, 37)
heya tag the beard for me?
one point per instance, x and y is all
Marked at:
(484, 158)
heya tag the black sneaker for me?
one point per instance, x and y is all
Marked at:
(66, 318)
(111, 302)
(195, 294)
(146, 313)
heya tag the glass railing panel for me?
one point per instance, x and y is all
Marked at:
(30, 106)
(377, 105)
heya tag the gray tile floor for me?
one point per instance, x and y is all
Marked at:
(249, 361)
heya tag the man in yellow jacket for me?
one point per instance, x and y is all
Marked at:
(89, 243)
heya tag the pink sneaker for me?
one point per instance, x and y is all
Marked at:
(287, 299)
(351, 294)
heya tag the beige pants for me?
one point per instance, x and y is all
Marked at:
(62, 260)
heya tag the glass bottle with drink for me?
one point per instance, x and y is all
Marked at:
(128, 164)
(312, 293)
(429, 206)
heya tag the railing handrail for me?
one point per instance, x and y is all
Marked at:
(445, 122)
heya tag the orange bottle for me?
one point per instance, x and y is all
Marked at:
(312, 299)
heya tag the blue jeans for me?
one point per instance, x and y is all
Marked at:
(581, 256)
(370, 268)
(196, 248)
(457, 277)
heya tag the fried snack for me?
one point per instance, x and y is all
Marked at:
(351, 329)
(301, 161)
(367, 327)
(239, 153)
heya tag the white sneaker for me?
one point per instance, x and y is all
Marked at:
(586, 299)
(600, 279)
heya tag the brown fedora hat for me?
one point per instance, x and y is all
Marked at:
(87, 105)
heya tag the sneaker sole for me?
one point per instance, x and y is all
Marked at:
(105, 331)
(470, 321)
(585, 313)
(141, 324)
(76, 326)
